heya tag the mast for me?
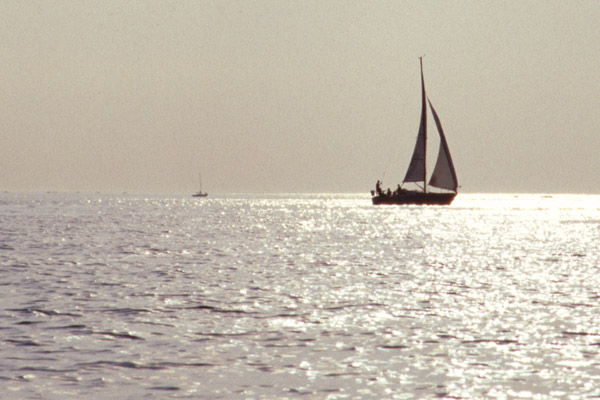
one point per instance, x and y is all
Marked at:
(424, 124)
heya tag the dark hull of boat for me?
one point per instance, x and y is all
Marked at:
(419, 198)
(200, 195)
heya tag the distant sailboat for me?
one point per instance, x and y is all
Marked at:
(200, 193)
(443, 176)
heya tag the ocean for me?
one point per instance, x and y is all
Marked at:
(319, 296)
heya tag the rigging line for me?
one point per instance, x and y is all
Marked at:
(388, 163)
(392, 154)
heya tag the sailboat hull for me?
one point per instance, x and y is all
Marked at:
(418, 198)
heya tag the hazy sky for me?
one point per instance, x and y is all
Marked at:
(296, 96)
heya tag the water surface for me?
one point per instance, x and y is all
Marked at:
(298, 296)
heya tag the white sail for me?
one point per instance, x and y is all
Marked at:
(416, 170)
(444, 176)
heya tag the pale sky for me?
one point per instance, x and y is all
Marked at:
(296, 96)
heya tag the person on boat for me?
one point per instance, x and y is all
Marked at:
(378, 188)
(389, 192)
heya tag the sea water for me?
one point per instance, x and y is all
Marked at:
(298, 296)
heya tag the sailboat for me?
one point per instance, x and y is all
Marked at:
(200, 193)
(443, 176)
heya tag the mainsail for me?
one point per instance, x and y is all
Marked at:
(444, 176)
(416, 170)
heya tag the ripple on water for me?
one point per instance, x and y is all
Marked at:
(289, 296)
